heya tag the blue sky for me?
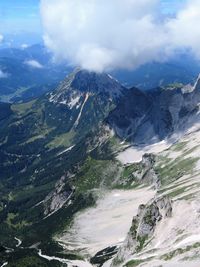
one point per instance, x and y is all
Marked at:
(171, 6)
(19, 16)
(22, 17)
(20, 22)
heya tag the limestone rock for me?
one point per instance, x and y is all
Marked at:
(143, 227)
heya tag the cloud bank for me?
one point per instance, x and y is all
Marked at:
(103, 35)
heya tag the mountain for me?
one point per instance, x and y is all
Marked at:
(28, 72)
(59, 119)
(93, 173)
(87, 82)
(152, 116)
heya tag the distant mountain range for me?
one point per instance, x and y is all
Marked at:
(182, 68)
(29, 72)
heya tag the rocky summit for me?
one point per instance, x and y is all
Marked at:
(96, 174)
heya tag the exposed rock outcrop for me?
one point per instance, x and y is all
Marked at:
(146, 173)
(143, 227)
(57, 198)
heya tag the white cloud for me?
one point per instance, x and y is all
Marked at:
(34, 64)
(24, 46)
(102, 35)
(3, 74)
(1, 38)
(184, 30)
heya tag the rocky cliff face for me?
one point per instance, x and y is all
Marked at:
(145, 118)
(146, 174)
(143, 227)
(58, 197)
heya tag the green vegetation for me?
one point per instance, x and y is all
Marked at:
(131, 169)
(11, 218)
(173, 86)
(31, 262)
(30, 170)
(63, 140)
(179, 146)
(141, 240)
(96, 173)
(31, 141)
(134, 263)
(177, 192)
(128, 179)
(20, 109)
(179, 251)
(174, 170)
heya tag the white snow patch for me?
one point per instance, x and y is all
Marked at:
(51, 98)
(19, 242)
(66, 150)
(39, 203)
(64, 102)
(70, 263)
(73, 102)
(111, 77)
(80, 113)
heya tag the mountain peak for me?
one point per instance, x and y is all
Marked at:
(93, 82)
(82, 82)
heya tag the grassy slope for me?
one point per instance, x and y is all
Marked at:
(31, 141)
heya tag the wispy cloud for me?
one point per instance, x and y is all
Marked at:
(24, 46)
(1, 38)
(34, 64)
(3, 74)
